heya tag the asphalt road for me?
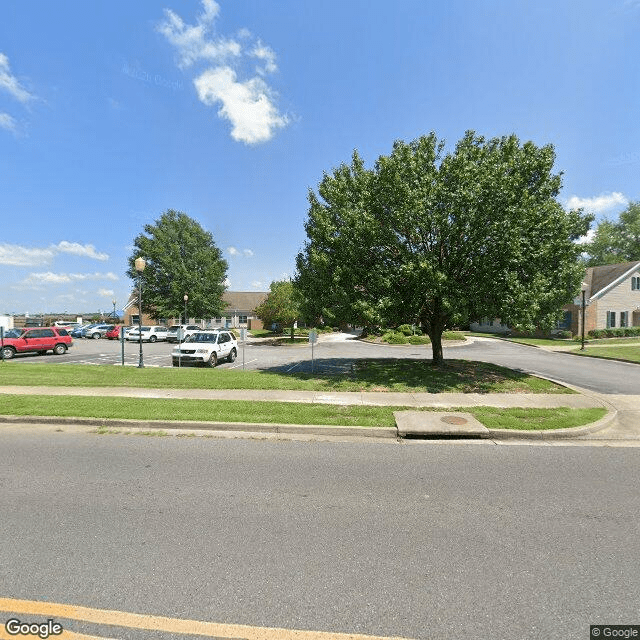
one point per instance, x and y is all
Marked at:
(418, 540)
(337, 356)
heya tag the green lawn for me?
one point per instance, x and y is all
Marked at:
(276, 412)
(367, 375)
(629, 354)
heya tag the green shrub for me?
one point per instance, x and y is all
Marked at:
(453, 335)
(409, 330)
(596, 333)
(564, 334)
(419, 340)
(393, 337)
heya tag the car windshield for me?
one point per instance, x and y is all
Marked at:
(13, 333)
(202, 337)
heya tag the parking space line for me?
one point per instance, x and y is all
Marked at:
(239, 365)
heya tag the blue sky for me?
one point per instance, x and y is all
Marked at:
(113, 112)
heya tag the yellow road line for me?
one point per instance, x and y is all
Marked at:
(169, 625)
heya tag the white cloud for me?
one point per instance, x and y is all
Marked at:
(268, 55)
(7, 122)
(227, 283)
(587, 238)
(85, 250)
(247, 105)
(19, 256)
(233, 251)
(193, 42)
(257, 284)
(598, 204)
(10, 83)
(107, 293)
(48, 277)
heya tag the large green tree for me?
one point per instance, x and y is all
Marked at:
(616, 241)
(442, 238)
(280, 305)
(182, 258)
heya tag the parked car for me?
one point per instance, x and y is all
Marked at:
(149, 334)
(78, 331)
(206, 348)
(40, 340)
(69, 326)
(96, 331)
(114, 333)
(186, 330)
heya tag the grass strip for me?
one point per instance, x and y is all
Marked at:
(277, 412)
(383, 374)
(626, 354)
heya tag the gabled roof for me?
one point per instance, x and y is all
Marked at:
(243, 300)
(604, 277)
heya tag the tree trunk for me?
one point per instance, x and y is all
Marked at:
(436, 347)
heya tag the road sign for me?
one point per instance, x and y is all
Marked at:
(313, 337)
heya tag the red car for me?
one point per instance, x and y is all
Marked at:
(113, 334)
(38, 339)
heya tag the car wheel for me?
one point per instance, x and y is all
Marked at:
(8, 353)
(152, 338)
(60, 349)
(232, 356)
(95, 336)
(42, 353)
(212, 361)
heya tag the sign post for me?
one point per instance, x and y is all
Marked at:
(313, 338)
(122, 344)
(2, 342)
(243, 338)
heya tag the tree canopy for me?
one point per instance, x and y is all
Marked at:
(615, 242)
(280, 306)
(182, 258)
(441, 238)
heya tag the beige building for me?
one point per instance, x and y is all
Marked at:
(612, 297)
(240, 311)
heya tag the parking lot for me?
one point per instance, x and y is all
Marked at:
(333, 354)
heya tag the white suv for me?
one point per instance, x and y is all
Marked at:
(206, 348)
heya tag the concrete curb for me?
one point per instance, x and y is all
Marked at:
(247, 427)
(556, 434)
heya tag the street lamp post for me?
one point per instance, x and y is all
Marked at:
(114, 309)
(186, 297)
(584, 305)
(140, 265)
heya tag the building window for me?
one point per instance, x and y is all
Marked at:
(624, 318)
(635, 283)
(242, 319)
(611, 319)
(134, 319)
(565, 323)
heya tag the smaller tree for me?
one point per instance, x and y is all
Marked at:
(280, 306)
(616, 241)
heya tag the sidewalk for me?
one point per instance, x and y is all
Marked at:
(389, 399)
(621, 423)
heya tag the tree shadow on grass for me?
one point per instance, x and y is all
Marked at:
(409, 375)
